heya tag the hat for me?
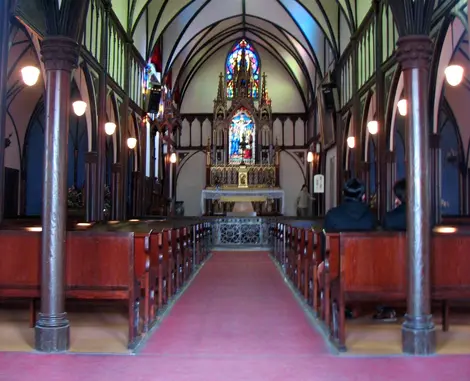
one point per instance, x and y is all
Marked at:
(353, 189)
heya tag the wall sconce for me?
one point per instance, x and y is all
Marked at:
(373, 127)
(30, 75)
(454, 74)
(351, 141)
(173, 158)
(131, 143)
(109, 128)
(402, 107)
(310, 157)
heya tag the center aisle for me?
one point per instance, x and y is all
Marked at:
(238, 306)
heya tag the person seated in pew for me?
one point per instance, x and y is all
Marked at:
(353, 214)
(395, 219)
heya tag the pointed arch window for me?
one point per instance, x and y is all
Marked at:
(234, 58)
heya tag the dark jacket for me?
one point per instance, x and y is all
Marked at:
(350, 216)
(395, 219)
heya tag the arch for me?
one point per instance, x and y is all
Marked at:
(82, 84)
(452, 158)
(234, 57)
(242, 129)
(449, 39)
(368, 115)
(394, 96)
(348, 156)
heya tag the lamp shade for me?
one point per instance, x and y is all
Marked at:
(173, 158)
(109, 128)
(30, 75)
(131, 143)
(454, 74)
(373, 127)
(310, 157)
(79, 107)
(402, 107)
(351, 141)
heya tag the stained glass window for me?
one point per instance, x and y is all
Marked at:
(234, 58)
(242, 138)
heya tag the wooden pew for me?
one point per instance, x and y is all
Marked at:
(20, 272)
(371, 267)
(103, 266)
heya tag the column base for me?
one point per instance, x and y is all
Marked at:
(52, 334)
(418, 335)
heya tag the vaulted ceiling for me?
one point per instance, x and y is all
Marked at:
(303, 35)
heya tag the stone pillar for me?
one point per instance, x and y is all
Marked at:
(60, 56)
(4, 41)
(418, 332)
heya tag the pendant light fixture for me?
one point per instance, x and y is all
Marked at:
(402, 107)
(30, 75)
(373, 127)
(131, 143)
(173, 158)
(79, 106)
(351, 141)
(109, 128)
(310, 157)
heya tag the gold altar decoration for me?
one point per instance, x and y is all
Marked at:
(242, 177)
(228, 176)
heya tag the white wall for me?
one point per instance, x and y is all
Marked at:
(330, 179)
(291, 179)
(201, 92)
(191, 181)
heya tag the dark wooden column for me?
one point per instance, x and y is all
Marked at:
(116, 205)
(102, 118)
(91, 160)
(356, 115)
(60, 56)
(124, 134)
(435, 179)
(418, 333)
(391, 174)
(381, 156)
(4, 41)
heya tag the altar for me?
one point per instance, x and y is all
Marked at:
(259, 195)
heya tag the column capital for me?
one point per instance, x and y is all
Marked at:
(414, 51)
(60, 53)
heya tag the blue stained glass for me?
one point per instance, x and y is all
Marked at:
(234, 58)
(242, 126)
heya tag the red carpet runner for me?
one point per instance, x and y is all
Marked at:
(237, 306)
(236, 322)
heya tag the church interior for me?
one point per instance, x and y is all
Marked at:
(177, 179)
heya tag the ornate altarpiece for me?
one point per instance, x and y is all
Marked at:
(242, 162)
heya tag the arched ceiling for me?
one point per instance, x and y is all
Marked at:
(301, 34)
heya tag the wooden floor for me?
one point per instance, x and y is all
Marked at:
(366, 336)
(94, 329)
